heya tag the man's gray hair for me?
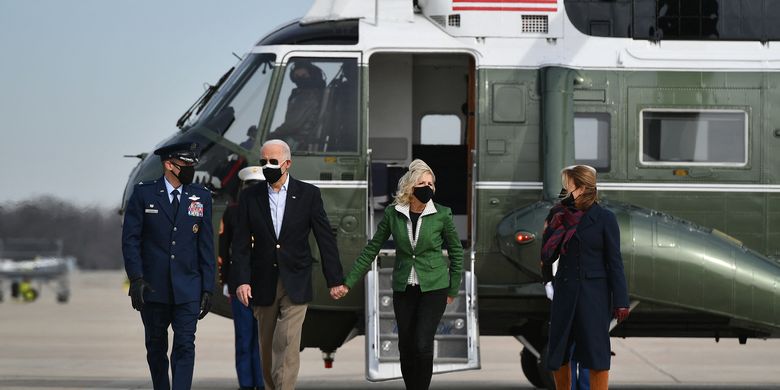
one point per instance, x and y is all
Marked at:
(285, 147)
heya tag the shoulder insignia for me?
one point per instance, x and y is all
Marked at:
(146, 183)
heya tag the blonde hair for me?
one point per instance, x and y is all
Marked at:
(417, 168)
(582, 176)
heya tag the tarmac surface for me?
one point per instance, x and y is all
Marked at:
(96, 342)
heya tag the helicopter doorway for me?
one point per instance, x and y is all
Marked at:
(419, 107)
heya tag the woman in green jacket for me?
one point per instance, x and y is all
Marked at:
(423, 283)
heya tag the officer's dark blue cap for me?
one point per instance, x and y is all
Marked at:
(184, 151)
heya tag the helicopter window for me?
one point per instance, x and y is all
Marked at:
(317, 109)
(703, 20)
(440, 130)
(705, 137)
(591, 139)
(250, 78)
(247, 105)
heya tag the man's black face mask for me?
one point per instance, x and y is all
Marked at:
(186, 173)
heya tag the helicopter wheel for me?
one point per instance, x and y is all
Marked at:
(529, 365)
(63, 297)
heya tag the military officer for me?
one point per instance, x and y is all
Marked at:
(168, 248)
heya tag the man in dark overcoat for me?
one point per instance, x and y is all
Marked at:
(272, 260)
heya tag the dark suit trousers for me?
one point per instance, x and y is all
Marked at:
(417, 315)
(183, 318)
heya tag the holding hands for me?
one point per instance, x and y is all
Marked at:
(339, 292)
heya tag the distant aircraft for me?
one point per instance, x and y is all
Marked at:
(30, 263)
(674, 104)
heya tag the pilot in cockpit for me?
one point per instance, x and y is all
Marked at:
(303, 105)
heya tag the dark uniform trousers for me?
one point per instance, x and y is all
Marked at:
(183, 318)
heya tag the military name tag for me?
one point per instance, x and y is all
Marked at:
(151, 211)
(195, 209)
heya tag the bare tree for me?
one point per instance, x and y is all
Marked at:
(91, 234)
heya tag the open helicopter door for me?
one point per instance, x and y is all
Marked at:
(420, 106)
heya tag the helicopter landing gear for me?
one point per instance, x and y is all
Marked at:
(328, 357)
(532, 362)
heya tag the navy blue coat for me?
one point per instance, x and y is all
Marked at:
(175, 257)
(589, 283)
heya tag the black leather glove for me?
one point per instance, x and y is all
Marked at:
(137, 287)
(205, 304)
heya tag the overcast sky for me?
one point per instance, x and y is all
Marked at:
(83, 82)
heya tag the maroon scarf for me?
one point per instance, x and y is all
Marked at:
(560, 228)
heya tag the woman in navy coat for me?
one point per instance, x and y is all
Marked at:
(590, 286)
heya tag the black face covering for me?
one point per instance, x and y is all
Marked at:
(272, 175)
(568, 201)
(186, 173)
(423, 194)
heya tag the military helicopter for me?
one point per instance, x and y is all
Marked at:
(672, 102)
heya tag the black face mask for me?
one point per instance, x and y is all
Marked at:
(568, 201)
(423, 194)
(186, 173)
(272, 175)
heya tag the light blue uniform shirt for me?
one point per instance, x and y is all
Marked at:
(277, 201)
(169, 188)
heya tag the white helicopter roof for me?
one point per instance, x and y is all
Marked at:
(524, 34)
(367, 10)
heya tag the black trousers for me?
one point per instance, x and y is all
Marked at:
(183, 318)
(417, 315)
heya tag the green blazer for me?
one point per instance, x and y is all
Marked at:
(433, 228)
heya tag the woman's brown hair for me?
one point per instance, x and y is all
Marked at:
(582, 176)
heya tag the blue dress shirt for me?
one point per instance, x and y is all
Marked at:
(277, 201)
(169, 187)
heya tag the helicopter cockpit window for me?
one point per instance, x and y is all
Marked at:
(705, 137)
(248, 83)
(235, 112)
(247, 102)
(591, 139)
(317, 109)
